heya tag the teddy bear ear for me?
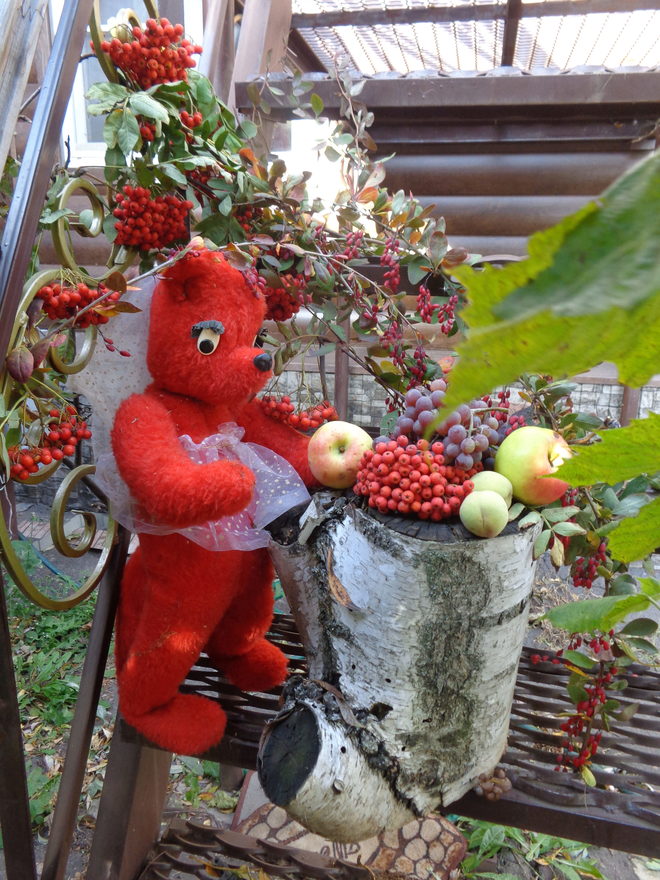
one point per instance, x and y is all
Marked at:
(181, 278)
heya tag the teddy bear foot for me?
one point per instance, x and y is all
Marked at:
(261, 668)
(186, 725)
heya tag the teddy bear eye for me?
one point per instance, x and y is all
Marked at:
(207, 334)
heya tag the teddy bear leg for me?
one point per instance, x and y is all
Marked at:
(238, 646)
(169, 631)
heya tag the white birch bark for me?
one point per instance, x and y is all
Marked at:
(422, 640)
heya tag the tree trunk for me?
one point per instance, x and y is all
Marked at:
(413, 641)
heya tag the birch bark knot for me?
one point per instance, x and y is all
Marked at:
(413, 647)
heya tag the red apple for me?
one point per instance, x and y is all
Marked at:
(335, 451)
(526, 456)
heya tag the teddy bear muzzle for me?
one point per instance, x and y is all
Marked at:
(263, 362)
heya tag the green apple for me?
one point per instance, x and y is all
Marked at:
(335, 451)
(526, 457)
(484, 513)
(494, 482)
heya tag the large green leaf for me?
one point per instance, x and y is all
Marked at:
(145, 105)
(529, 317)
(621, 455)
(637, 536)
(611, 258)
(545, 343)
(590, 615)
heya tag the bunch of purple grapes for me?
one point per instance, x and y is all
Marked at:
(470, 434)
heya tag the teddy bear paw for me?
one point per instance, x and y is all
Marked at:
(261, 668)
(187, 724)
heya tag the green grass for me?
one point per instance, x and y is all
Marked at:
(565, 859)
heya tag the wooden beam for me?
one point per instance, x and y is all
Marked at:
(262, 39)
(24, 22)
(217, 60)
(445, 14)
(511, 22)
(583, 96)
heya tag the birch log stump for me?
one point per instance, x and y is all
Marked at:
(413, 645)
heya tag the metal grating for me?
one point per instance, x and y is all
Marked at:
(622, 812)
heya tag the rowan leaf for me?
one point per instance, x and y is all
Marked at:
(637, 536)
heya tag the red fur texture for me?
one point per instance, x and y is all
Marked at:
(177, 598)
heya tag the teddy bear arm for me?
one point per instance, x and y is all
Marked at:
(282, 439)
(172, 489)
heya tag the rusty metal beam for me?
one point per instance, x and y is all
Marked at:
(485, 12)
(14, 805)
(42, 146)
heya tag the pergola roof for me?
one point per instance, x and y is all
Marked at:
(460, 36)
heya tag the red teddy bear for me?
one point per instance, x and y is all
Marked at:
(177, 596)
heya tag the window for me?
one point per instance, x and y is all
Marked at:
(84, 132)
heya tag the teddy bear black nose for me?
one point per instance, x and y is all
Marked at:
(263, 362)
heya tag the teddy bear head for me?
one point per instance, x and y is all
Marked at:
(204, 321)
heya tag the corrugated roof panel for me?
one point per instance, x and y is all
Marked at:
(560, 42)
(462, 45)
(616, 39)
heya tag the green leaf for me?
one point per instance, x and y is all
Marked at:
(541, 543)
(559, 514)
(641, 626)
(111, 127)
(638, 536)
(172, 173)
(650, 587)
(568, 529)
(622, 454)
(128, 132)
(317, 103)
(642, 645)
(143, 104)
(562, 341)
(86, 218)
(530, 519)
(579, 659)
(595, 614)
(611, 257)
(106, 96)
(515, 510)
(590, 780)
(249, 129)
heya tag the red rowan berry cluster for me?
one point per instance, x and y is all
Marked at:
(147, 130)
(61, 302)
(157, 54)
(585, 568)
(144, 222)
(247, 215)
(191, 120)
(398, 476)
(60, 439)
(283, 302)
(392, 277)
(309, 419)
